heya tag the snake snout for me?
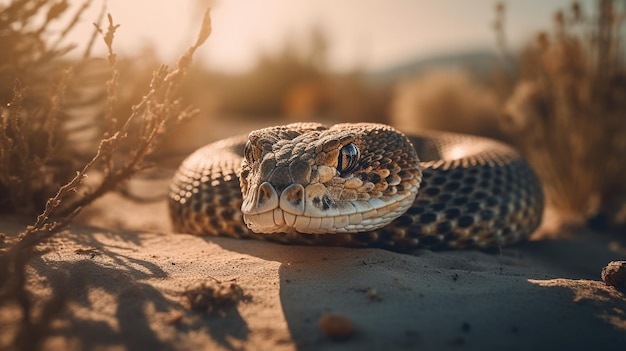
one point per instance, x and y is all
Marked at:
(265, 211)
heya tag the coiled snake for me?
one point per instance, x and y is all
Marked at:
(358, 185)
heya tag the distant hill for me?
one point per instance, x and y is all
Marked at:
(479, 62)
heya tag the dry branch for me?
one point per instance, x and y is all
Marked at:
(153, 116)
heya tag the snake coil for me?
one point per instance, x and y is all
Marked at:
(358, 185)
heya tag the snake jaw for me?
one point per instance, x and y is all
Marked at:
(301, 184)
(313, 212)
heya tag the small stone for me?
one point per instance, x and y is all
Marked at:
(614, 274)
(372, 295)
(336, 326)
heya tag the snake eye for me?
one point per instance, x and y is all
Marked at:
(248, 152)
(348, 158)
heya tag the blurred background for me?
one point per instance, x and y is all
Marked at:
(545, 76)
(369, 35)
(326, 60)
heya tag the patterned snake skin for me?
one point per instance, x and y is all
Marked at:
(358, 185)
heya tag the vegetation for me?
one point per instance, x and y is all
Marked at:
(447, 99)
(43, 138)
(567, 112)
(295, 83)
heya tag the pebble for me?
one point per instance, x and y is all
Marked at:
(614, 274)
(336, 326)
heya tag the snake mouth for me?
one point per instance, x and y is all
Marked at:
(311, 210)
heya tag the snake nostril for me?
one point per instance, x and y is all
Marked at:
(326, 202)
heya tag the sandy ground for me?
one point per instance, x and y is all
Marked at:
(124, 290)
(118, 281)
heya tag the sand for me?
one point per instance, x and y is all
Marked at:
(118, 279)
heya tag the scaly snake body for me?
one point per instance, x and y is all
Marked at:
(358, 185)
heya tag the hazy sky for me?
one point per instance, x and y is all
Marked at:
(371, 34)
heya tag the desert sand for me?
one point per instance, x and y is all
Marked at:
(124, 290)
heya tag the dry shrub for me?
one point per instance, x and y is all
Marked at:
(293, 82)
(446, 99)
(55, 110)
(346, 97)
(41, 143)
(262, 90)
(34, 84)
(351, 98)
(568, 111)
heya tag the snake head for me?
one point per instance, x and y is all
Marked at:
(313, 179)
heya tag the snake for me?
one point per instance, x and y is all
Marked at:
(359, 185)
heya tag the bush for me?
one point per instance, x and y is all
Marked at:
(45, 124)
(568, 111)
(446, 99)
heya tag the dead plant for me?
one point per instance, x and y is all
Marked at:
(567, 112)
(28, 121)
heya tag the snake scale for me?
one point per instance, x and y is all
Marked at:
(358, 185)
